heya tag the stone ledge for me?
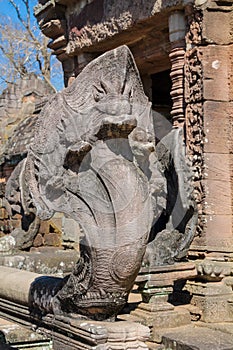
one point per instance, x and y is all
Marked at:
(197, 338)
(15, 335)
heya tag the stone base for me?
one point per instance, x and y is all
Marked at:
(159, 320)
(213, 299)
(72, 333)
(166, 275)
(15, 336)
(162, 318)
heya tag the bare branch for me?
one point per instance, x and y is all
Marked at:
(24, 49)
(26, 23)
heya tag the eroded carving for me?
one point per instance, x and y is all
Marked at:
(94, 158)
(81, 163)
(194, 109)
(19, 202)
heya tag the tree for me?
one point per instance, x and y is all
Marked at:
(23, 47)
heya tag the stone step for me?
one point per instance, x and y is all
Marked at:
(15, 336)
(197, 338)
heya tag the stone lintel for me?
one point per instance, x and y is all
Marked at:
(208, 289)
(166, 275)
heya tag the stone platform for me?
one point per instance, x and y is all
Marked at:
(15, 336)
(66, 332)
(199, 337)
(47, 260)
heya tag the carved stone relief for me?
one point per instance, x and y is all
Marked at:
(94, 158)
(194, 108)
(19, 202)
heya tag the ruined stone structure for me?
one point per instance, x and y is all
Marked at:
(17, 102)
(183, 51)
(20, 105)
(104, 128)
(183, 48)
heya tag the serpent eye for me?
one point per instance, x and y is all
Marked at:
(101, 90)
(98, 93)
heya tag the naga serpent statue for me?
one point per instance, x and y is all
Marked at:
(95, 159)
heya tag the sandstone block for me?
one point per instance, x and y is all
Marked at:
(217, 127)
(214, 309)
(217, 167)
(217, 27)
(162, 319)
(212, 300)
(44, 227)
(216, 70)
(218, 233)
(194, 338)
(52, 239)
(3, 213)
(38, 241)
(218, 197)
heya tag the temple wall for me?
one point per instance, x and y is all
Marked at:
(194, 41)
(17, 102)
(184, 48)
(212, 55)
(177, 36)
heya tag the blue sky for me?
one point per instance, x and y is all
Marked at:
(7, 10)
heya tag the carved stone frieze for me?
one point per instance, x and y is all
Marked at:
(212, 270)
(194, 108)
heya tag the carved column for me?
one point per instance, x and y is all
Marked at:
(209, 145)
(177, 25)
(156, 287)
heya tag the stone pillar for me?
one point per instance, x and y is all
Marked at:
(177, 27)
(208, 97)
(209, 100)
(155, 311)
